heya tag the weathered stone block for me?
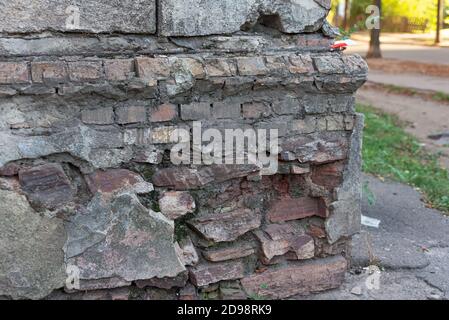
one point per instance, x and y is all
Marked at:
(227, 226)
(32, 260)
(208, 273)
(96, 16)
(195, 17)
(121, 238)
(297, 279)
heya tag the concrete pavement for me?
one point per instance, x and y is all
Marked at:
(411, 247)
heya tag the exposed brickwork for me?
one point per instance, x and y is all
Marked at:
(89, 125)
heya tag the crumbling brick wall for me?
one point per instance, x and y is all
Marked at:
(88, 188)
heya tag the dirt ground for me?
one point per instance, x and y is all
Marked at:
(422, 117)
(394, 66)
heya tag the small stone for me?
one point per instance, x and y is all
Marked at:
(176, 204)
(357, 291)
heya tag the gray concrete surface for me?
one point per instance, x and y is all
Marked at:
(411, 247)
(410, 80)
(417, 53)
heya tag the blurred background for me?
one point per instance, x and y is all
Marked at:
(406, 98)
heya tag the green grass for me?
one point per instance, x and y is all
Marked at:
(441, 96)
(389, 151)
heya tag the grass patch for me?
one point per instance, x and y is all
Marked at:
(441, 96)
(390, 152)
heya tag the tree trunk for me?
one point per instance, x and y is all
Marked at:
(439, 20)
(374, 44)
(346, 15)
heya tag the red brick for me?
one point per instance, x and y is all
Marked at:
(14, 72)
(119, 69)
(49, 72)
(218, 67)
(297, 279)
(287, 209)
(251, 66)
(153, 68)
(329, 175)
(98, 116)
(164, 112)
(85, 70)
(131, 114)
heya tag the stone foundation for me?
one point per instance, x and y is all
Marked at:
(88, 188)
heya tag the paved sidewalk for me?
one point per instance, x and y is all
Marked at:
(409, 80)
(404, 51)
(411, 247)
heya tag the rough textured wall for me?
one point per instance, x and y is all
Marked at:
(87, 122)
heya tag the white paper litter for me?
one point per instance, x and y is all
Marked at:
(370, 222)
